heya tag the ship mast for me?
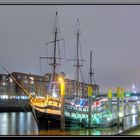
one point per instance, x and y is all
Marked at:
(91, 70)
(54, 64)
(90, 97)
(78, 65)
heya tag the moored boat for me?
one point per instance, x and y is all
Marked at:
(49, 109)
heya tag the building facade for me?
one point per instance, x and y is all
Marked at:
(38, 85)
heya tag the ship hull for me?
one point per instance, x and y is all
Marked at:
(48, 116)
(46, 121)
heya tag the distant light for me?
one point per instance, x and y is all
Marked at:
(133, 110)
(31, 78)
(127, 94)
(138, 102)
(3, 83)
(108, 119)
(11, 80)
(60, 79)
(135, 97)
(120, 114)
(54, 93)
(134, 89)
(25, 81)
(133, 86)
(4, 96)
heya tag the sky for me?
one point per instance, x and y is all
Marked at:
(111, 32)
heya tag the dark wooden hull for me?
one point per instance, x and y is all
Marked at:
(46, 121)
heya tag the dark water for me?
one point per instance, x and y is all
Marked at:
(23, 123)
(17, 123)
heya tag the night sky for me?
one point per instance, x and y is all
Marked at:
(112, 32)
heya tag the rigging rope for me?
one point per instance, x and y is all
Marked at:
(82, 75)
(40, 66)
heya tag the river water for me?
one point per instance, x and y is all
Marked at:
(17, 123)
(23, 123)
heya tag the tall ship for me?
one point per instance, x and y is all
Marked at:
(54, 111)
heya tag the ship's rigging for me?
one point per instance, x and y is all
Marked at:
(49, 111)
(78, 59)
(55, 59)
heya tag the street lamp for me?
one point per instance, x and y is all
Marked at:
(62, 91)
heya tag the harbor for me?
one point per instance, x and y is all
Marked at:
(23, 124)
(83, 84)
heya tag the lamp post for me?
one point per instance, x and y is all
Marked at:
(62, 91)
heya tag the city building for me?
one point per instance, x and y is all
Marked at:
(37, 85)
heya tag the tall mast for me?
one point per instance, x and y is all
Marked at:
(54, 64)
(90, 98)
(91, 70)
(78, 65)
(54, 59)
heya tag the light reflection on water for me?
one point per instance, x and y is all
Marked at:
(84, 132)
(19, 123)
(23, 123)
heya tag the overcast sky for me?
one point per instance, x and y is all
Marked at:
(112, 32)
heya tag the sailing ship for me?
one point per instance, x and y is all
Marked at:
(57, 112)
(51, 112)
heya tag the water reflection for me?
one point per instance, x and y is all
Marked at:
(19, 123)
(23, 123)
(130, 121)
(85, 132)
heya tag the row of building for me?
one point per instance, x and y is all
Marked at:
(38, 86)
